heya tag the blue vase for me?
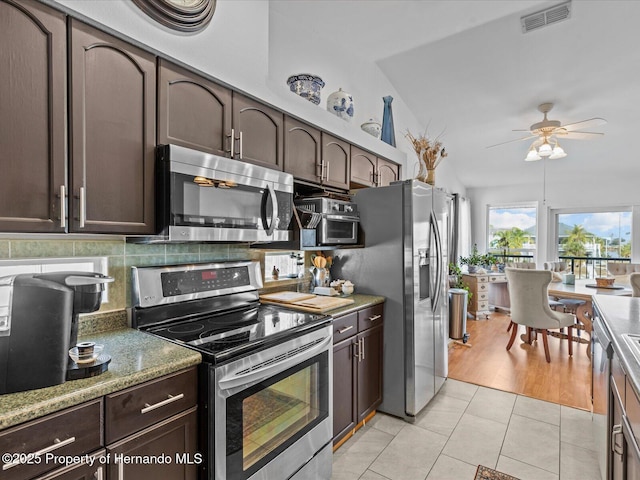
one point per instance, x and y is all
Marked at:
(388, 133)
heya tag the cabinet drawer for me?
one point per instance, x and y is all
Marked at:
(483, 287)
(498, 278)
(74, 431)
(135, 408)
(370, 317)
(482, 279)
(344, 327)
(482, 306)
(482, 296)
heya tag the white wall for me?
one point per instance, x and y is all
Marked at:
(557, 193)
(252, 46)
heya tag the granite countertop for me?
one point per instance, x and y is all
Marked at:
(622, 315)
(360, 301)
(135, 358)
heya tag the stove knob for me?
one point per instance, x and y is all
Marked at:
(335, 206)
(348, 208)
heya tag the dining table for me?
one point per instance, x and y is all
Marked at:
(584, 289)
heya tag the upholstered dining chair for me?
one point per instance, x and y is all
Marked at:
(530, 306)
(634, 281)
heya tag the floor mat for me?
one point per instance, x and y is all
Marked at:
(486, 473)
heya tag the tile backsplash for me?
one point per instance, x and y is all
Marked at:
(121, 256)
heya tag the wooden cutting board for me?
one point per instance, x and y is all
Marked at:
(286, 297)
(316, 304)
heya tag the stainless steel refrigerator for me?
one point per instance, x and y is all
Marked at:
(406, 227)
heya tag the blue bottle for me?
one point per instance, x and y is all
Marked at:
(388, 133)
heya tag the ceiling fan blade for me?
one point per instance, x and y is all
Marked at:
(592, 122)
(578, 135)
(523, 130)
(513, 141)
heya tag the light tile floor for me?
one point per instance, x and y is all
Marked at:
(466, 425)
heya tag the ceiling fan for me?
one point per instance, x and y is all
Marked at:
(547, 132)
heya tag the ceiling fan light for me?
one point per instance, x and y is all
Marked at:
(545, 150)
(532, 156)
(558, 152)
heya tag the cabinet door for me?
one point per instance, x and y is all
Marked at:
(175, 438)
(192, 111)
(387, 172)
(82, 471)
(33, 115)
(302, 150)
(363, 167)
(113, 91)
(259, 132)
(336, 158)
(344, 388)
(369, 372)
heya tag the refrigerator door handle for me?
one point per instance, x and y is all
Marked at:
(435, 299)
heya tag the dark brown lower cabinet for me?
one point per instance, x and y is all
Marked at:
(357, 369)
(83, 471)
(171, 446)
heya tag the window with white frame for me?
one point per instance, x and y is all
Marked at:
(281, 265)
(512, 231)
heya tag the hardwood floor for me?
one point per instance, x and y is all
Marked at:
(523, 369)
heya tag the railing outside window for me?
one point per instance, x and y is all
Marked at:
(591, 267)
(513, 258)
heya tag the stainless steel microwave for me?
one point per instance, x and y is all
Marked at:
(207, 198)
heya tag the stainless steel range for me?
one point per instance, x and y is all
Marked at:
(266, 391)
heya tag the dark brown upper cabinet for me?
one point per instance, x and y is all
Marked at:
(336, 161)
(113, 130)
(258, 131)
(302, 150)
(192, 111)
(387, 172)
(315, 156)
(367, 170)
(363, 167)
(33, 105)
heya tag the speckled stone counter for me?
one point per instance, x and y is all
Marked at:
(622, 315)
(360, 302)
(135, 358)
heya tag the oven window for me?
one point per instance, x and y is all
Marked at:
(265, 419)
(342, 230)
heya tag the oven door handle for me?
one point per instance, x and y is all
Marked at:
(263, 210)
(234, 380)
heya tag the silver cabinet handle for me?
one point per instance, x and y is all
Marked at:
(240, 148)
(362, 349)
(171, 399)
(327, 177)
(63, 206)
(83, 206)
(232, 142)
(356, 350)
(98, 474)
(616, 432)
(57, 443)
(345, 329)
(120, 471)
(374, 318)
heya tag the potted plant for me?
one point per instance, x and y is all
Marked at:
(490, 261)
(474, 260)
(455, 279)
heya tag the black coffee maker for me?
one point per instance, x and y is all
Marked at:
(39, 324)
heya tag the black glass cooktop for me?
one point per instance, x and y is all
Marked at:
(230, 334)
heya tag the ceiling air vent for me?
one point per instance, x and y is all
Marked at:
(546, 17)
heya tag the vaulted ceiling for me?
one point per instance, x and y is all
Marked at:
(467, 68)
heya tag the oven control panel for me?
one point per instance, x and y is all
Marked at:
(153, 286)
(196, 281)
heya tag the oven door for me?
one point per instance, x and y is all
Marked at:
(273, 409)
(338, 230)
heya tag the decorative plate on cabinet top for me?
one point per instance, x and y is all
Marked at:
(307, 86)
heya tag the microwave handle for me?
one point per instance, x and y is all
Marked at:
(263, 210)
